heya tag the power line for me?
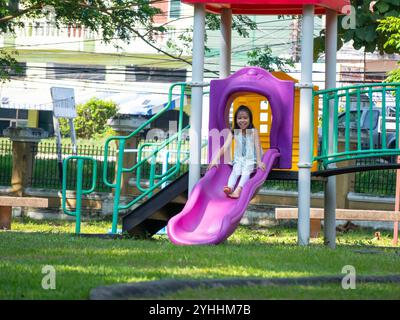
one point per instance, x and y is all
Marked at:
(155, 73)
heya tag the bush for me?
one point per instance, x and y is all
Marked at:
(91, 120)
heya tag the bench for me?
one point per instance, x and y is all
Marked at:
(7, 202)
(317, 214)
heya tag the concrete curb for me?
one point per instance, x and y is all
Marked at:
(153, 289)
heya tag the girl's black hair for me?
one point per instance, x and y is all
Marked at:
(245, 109)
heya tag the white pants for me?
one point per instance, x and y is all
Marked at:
(234, 177)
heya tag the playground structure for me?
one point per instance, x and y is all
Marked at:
(207, 217)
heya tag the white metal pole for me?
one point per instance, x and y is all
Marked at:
(397, 205)
(226, 43)
(165, 166)
(330, 76)
(304, 164)
(197, 94)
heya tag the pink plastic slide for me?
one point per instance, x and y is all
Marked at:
(209, 216)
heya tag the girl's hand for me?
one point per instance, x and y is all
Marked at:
(261, 165)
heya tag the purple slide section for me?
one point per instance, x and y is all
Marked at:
(209, 216)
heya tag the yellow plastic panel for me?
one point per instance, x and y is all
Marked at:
(262, 118)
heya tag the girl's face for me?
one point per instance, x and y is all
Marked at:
(243, 120)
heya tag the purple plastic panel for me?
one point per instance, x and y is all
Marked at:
(209, 216)
(280, 94)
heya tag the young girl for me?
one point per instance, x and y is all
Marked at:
(248, 152)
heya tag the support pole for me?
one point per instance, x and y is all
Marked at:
(226, 43)
(197, 94)
(304, 164)
(330, 75)
(397, 206)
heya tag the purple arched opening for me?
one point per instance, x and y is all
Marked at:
(280, 94)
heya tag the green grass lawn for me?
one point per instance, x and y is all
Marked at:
(85, 263)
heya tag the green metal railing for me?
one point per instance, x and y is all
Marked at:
(156, 149)
(45, 172)
(147, 152)
(79, 187)
(357, 137)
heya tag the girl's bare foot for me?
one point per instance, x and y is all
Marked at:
(227, 190)
(236, 193)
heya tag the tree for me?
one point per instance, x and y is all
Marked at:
(8, 64)
(390, 29)
(183, 42)
(91, 118)
(241, 24)
(367, 13)
(113, 19)
(394, 75)
(262, 57)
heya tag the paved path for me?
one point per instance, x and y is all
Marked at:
(153, 289)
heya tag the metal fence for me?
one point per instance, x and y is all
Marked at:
(46, 170)
(291, 185)
(46, 167)
(168, 156)
(375, 182)
(5, 162)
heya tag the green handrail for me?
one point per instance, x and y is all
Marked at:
(331, 99)
(155, 180)
(122, 139)
(157, 148)
(79, 187)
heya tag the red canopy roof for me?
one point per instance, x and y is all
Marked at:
(272, 7)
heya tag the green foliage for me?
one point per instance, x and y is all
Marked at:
(91, 120)
(182, 44)
(390, 29)
(114, 19)
(240, 24)
(368, 14)
(262, 57)
(8, 65)
(394, 75)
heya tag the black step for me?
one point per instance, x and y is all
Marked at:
(152, 215)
